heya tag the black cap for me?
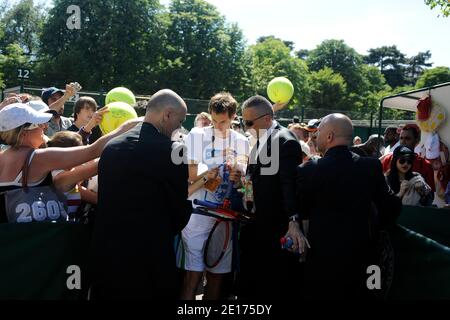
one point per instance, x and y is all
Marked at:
(48, 92)
(403, 151)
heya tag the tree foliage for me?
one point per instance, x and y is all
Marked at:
(289, 44)
(118, 44)
(433, 77)
(328, 90)
(444, 6)
(11, 59)
(391, 63)
(22, 24)
(203, 54)
(272, 58)
(338, 56)
(417, 65)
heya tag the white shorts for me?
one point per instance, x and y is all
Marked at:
(190, 250)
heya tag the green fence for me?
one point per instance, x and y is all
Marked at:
(34, 258)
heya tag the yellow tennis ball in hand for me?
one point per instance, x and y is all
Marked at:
(118, 113)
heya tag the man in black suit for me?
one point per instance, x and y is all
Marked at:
(143, 184)
(345, 197)
(273, 162)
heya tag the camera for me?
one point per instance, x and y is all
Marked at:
(76, 86)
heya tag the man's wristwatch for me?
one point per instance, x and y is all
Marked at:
(205, 179)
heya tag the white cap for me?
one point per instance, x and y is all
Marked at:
(305, 148)
(17, 114)
(38, 105)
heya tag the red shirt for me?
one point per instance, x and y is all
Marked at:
(420, 165)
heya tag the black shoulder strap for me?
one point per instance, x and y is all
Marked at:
(25, 168)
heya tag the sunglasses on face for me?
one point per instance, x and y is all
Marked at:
(250, 123)
(407, 161)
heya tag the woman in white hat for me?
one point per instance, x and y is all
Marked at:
(22, 128)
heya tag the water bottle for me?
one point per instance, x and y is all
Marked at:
(248, 193)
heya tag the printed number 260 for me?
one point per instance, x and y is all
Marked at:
(39, 211)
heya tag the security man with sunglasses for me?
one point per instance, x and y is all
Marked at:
(267, 271)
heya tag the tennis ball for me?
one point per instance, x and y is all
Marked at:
(118, 113)
(280, 90)
(120, 94)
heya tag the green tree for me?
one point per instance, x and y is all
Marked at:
(12, 58)
(328, 90)
(391, 63)
(373, 79)
(119, 43)
(416, 65)
(433, 77)
(372, 87)
(272, 58)
(444, 6)
(289, 44)
(4, 8)
(204, 54)
(22, 24)
(341, 58)
(303, 54)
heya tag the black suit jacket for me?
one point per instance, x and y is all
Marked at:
(264, 265)
(142, 206)
(273, 179)
(343, 195)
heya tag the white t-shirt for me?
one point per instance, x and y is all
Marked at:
(388, 149)
(208, 155)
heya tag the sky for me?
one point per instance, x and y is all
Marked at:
(362, 24)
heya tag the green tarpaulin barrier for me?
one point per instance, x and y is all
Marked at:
(431, 222)
(421, 267)
(34, 258)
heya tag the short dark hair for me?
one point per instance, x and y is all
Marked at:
(391, 128)
(258, 102)
(82, 103)
(223, 102)
(414, 129)
(65, 139)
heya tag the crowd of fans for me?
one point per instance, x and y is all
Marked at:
(65, 153)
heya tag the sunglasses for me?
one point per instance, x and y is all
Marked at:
(250, 123)
(403, 161)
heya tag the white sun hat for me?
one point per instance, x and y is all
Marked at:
(17, 114)
(38, 105)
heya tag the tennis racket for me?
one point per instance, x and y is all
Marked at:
(217, 243)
